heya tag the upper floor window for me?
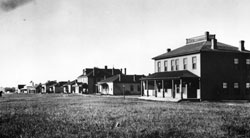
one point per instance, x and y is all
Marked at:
(194, 62)
(236, 61)
(185, 63)
(224, 85)
(172, 65)
(159, 66)
(177, 64)
(236, 85)
(248, 61)
(165, 65)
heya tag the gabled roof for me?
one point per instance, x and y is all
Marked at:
(61, 83)
(197, 48)
(110, 79)
(81, 76)
(199, 44)
(50, 83)
(123, 79)
(187, 49)
(171, 75)
(100, 72)
(68, 83)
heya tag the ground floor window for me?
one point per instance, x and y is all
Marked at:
(177, 89)
(131, 88)
(248, 88)
(248, 85)
(138, 88)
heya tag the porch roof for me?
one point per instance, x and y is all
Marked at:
(170, 75)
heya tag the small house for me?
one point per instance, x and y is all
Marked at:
(120, 84)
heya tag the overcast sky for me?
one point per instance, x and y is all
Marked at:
(44, 40)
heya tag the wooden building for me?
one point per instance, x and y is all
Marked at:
(203, 69)
(121, 84)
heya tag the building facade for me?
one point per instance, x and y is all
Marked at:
(121, 84)
(91, 76)
(203, 69)
(46, 87)
(57, 87)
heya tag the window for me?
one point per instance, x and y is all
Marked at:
(185, 63)
(177, 64)
(138, 88)
(236, 61)
(236, 85)
(248, 61)
(165, 65)
(194, 62)
(248, 88)
(159, 66)
(248, 85)
(131, 87)
(172, 65)
(224, 85)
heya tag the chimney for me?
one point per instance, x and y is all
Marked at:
(207, 35)
(134, 78)
(94, 71)
(121, 71)
(119, 77)
(242, 45)
(213, 43)
(125, 71)
(84, 71)
(168, 50)
(106, 67)
(113, 71)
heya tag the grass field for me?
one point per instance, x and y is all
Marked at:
(58, 115)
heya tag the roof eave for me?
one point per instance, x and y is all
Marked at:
(178, 55)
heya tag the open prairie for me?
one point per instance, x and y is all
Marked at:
(59, 115)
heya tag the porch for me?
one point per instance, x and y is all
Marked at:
(171, 86)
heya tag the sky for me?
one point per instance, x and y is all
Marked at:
(43, 40)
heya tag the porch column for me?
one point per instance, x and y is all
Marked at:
(181, 88)
(147, 87)
(69, 89)
(142, 88)
(200, 89)
(172, 88)
(163, 93)
(186, 90)
(155, 88)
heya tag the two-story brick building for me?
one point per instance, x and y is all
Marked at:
(91, 76)
(203, 69)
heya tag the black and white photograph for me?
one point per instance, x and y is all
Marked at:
(124, 69)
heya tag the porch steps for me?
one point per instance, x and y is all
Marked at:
(192, 100)
(166, 99)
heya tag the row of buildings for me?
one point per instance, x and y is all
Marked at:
(202, 69)
(105, 80)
